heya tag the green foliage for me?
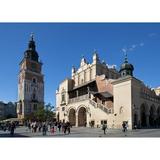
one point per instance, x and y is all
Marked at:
(44, 113)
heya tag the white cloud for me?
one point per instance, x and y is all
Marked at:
(152, 34)
(124, 50)
(133, 47)
(141, 44)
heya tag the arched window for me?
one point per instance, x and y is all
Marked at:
(34, 80)
(63, 98)
(34, 96)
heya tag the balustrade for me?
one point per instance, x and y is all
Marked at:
(80, 98)
(93, 103)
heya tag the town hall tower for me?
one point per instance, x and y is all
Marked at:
(30, 82)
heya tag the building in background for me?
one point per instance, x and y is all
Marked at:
(2, 110)
(7, 110)
(30, 82)
(97, 93)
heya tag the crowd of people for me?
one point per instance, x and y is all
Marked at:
(8, 127)
(45, 127)
(48, 127)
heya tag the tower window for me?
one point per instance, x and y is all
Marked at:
(35, 107)
(34, 80)
(34, 96)
(63, 97)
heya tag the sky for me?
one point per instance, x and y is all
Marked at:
(61, 45)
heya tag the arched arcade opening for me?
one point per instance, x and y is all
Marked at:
(152, 118)
(72, 117)
(158, 116)
(143, 111)
(82, 117)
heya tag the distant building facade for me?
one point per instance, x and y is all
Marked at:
(30, 82)
(7, 110)
(98, 94)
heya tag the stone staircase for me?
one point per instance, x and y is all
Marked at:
(93, 103)
(101, 106)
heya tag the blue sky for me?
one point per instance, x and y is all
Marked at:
(61, 45)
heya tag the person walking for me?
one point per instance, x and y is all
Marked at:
(65, 127)
(39, 127)
(44, 129)
(56, 124)
(124, 126)
(52, 129)
(104, 127)
(29, 126)
(68, 127)
(59, 126)
(12, 128)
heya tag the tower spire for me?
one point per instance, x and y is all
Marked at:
(31, 52)
(126, 68)
(32, 36)
(126, 57)
(31, 45)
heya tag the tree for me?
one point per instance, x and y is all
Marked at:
(44, 113)
(40, 114)
(49, 111)
(49, 107)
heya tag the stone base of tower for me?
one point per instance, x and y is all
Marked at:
(27, 108)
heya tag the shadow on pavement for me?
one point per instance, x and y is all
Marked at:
(14, 136)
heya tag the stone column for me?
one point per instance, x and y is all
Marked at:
(77, 94)
(88, 119)
(155, 119)
(76, 119)
(147, 120)
(88, 90)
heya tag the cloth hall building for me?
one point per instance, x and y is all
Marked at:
(97, 94)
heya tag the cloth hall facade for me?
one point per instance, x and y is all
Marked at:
(97, 93)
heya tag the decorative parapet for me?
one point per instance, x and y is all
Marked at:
(150, 97)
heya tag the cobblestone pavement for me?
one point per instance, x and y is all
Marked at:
(85, 132)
